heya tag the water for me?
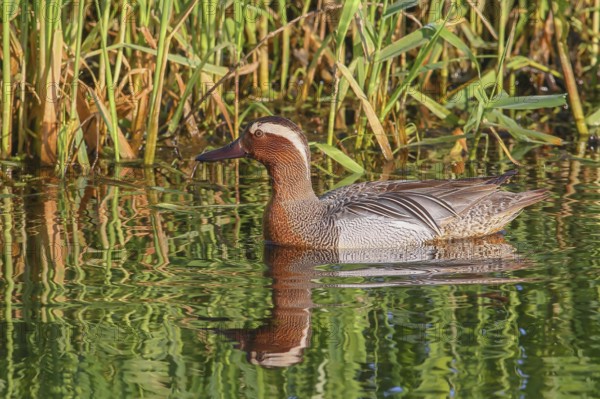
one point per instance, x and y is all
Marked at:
(153, 285)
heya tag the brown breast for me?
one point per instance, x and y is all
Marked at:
(299, 224)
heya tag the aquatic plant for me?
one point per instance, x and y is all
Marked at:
(120, 79)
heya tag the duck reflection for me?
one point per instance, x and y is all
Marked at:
(283, 338)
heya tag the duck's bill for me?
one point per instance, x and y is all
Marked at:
(233, 150)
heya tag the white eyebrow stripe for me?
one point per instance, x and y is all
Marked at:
(291, 136)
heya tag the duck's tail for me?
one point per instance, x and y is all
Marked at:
(521, 201)
(529, 198)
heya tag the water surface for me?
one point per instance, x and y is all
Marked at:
(150, 284)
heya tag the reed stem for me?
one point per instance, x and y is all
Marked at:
(333, 107)
(596, 32)
(285, 46)
(159, 75)
(6, 81)
(113, 126)
(22, 111)
(501, 44)
(563, 53)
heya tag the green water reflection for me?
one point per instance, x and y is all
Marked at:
(153, 285)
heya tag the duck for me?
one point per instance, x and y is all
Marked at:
(369, 215)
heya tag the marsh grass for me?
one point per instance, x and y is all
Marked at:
(120, 79)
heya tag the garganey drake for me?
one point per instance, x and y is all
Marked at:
(382, 214)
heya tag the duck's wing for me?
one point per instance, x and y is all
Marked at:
(408, 206)
(430, 203)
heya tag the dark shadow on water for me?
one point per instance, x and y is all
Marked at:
(281, 341)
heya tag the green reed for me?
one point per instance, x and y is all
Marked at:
(159, 75)
(6, 80)
(147, 72)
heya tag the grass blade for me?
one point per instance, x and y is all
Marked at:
(430, 103)
(529, 102)
(341, 158)
(346, 17)
(455, 41)
(519, 133)
(434, 30)
(407, 43)
(399, 6)
(594, 118)
(369, 111)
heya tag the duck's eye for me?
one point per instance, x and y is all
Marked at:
(258, 133)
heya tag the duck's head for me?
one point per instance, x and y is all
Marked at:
(271, 140)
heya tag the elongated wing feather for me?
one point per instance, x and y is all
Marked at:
(407, 206)
(431, 203)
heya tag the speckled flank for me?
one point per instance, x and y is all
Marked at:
(491, 214)
(385, 214)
